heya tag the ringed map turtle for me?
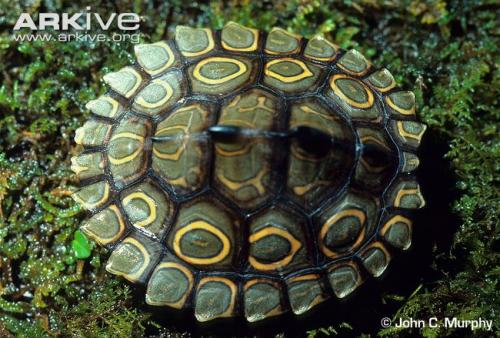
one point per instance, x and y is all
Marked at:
(238, 172)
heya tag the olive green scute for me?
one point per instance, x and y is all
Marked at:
(262, 300)
(88, 165)
(194, 42)
(410, 162)
(125, 82)
(105, 227)
(305, 294)
(221, 75)
(155, 58)
(147, 207)
(181, 158)
(356, 99)
(279, 41)
(354, 63)
(399, 233)
(170, 284)
(310, 178)
(341, 223)
(93, 133)
(277, 241)
(204, 234)
(319, 48)
(375, 260)
(105, 106)
(402, 103)
(406, 194)
(134, 258)
(127, 158)
(239, 38)
(408, 133)
(93, 196)
(160, 94)
(344, 279)
(382, 80)
(291, 76)
(214, 298)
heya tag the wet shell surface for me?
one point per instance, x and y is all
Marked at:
(244, 173)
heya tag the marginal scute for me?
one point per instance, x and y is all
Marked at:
(170, 284)
(105, 106)
(182, 155)
(105, 227)
(344, 278)
(88, 165)
(320, 49)
(125, 82)
(344, 225)
(408, 133)
(356, 98)
(147, 208)
(311, 177)
(382, 80)
(305, 292)
(290, 75)
(279, 41)
(204, 235)
(134, 258)
(401, 103)
(375, 258)
(238, 173)
(92, 134)
(397, 231)
(238, 38)
(194, 42)
(93, 196)
(262, 299)
(276, 241)
(377, 162)
(155, 58)
(160, 94)
(215, 298)
(221, 75)
(354, 63)
(405, 194)
(410, 162)
(127, 158)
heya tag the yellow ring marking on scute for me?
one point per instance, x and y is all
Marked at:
(147, 259)
(230, 284)
(404, 133)
(169, 92)
(403, 192)
(126, 159)
(364, 105)
(288, 79)
(250, 48)
(151, 205)
(294, 244)
(209, 47)
(171, 58)
(197, 70)
(360, 215)
(256, 182)
(189, 276)
(105, 196)
(400, 110)
(202, 225)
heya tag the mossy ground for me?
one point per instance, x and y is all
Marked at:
(446, 51)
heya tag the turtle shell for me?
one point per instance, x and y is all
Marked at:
(237, 172)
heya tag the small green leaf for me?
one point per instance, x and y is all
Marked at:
(80, 245)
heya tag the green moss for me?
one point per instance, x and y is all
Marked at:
(446, 51)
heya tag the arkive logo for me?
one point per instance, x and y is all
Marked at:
(78, 21)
